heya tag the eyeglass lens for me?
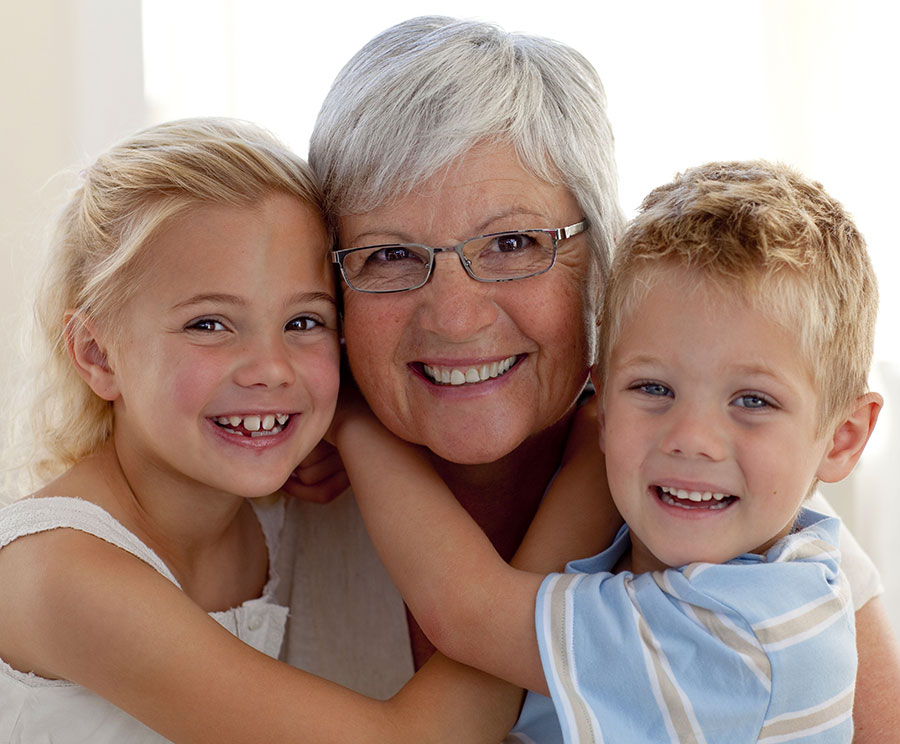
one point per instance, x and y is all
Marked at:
(494, 257)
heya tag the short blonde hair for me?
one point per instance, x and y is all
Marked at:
(125, 197)
(776, 238)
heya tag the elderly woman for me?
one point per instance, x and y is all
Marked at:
(437, 135)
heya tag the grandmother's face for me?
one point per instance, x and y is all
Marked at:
(398, 343)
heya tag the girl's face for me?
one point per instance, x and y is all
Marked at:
(226, 367)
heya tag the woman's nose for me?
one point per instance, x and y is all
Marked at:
(455, 306)
(265, 363)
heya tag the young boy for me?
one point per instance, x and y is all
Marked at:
(735, 342)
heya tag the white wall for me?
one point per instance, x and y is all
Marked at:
(72, 76)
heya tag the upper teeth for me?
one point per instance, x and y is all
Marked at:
(255, 422)
(460, 375)
(693, 495)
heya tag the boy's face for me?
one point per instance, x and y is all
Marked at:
(709, 426)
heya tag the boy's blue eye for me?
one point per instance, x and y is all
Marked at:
(751, 400)
(654, 388)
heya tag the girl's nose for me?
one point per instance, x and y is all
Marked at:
(265, 363)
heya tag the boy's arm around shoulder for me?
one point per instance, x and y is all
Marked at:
(80, 609)
(577, 517)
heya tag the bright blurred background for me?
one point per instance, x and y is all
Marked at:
(809, 82)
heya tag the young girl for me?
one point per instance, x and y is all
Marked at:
(190, 316)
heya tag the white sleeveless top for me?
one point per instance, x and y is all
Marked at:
(36, 710)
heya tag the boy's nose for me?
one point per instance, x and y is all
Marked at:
(695, 433)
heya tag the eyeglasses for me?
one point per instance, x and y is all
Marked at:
(497, 257)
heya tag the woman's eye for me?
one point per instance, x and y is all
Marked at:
(751, 400)
(655, 389)
(393, 253)
(207, 325)
(303, 323)
(512, 242)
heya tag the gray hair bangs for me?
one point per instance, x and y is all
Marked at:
(426, 91)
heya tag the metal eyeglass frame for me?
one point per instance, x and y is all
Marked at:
(556, 234)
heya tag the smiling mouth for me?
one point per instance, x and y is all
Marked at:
(254, 425)
(710, 500)
(469, 375)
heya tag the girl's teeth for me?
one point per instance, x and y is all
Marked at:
(461, 376)
(269, 422)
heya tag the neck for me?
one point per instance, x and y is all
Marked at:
(211, 541)
(503, 496)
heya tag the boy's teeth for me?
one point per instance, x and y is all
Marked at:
(251, 423)
(463, 375)
(281, 418)
(268, 422)
(684, 495)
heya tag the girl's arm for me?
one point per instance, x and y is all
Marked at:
(876, 715)
(80, 609)
(473, 606)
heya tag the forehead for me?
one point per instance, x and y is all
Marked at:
(485, 190)
(279, 239)
(696, 318)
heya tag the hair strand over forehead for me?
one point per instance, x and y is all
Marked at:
(423, 93)
(126, 196)
(773, 237)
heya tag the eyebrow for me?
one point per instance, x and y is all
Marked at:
(479, 229)
(638, 360)
(237, 301)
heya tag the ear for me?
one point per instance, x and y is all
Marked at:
(601, 413)
(90, 357)
(849, 438)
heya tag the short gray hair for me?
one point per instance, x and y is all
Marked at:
(424, 92)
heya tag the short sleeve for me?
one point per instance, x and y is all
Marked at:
(862, 575)
(718, 652)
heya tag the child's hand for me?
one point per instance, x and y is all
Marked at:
(351, 409)
(320, 478)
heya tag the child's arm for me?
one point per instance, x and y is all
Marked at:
(80, 609)
(474, 607)
(577, 517)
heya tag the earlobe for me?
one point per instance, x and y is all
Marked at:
(601, 415)
(90, 357)
(850, 438)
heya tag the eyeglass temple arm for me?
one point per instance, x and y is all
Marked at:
(572, 230)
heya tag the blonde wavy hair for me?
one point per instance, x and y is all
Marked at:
(95, 264)
(767, 234)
